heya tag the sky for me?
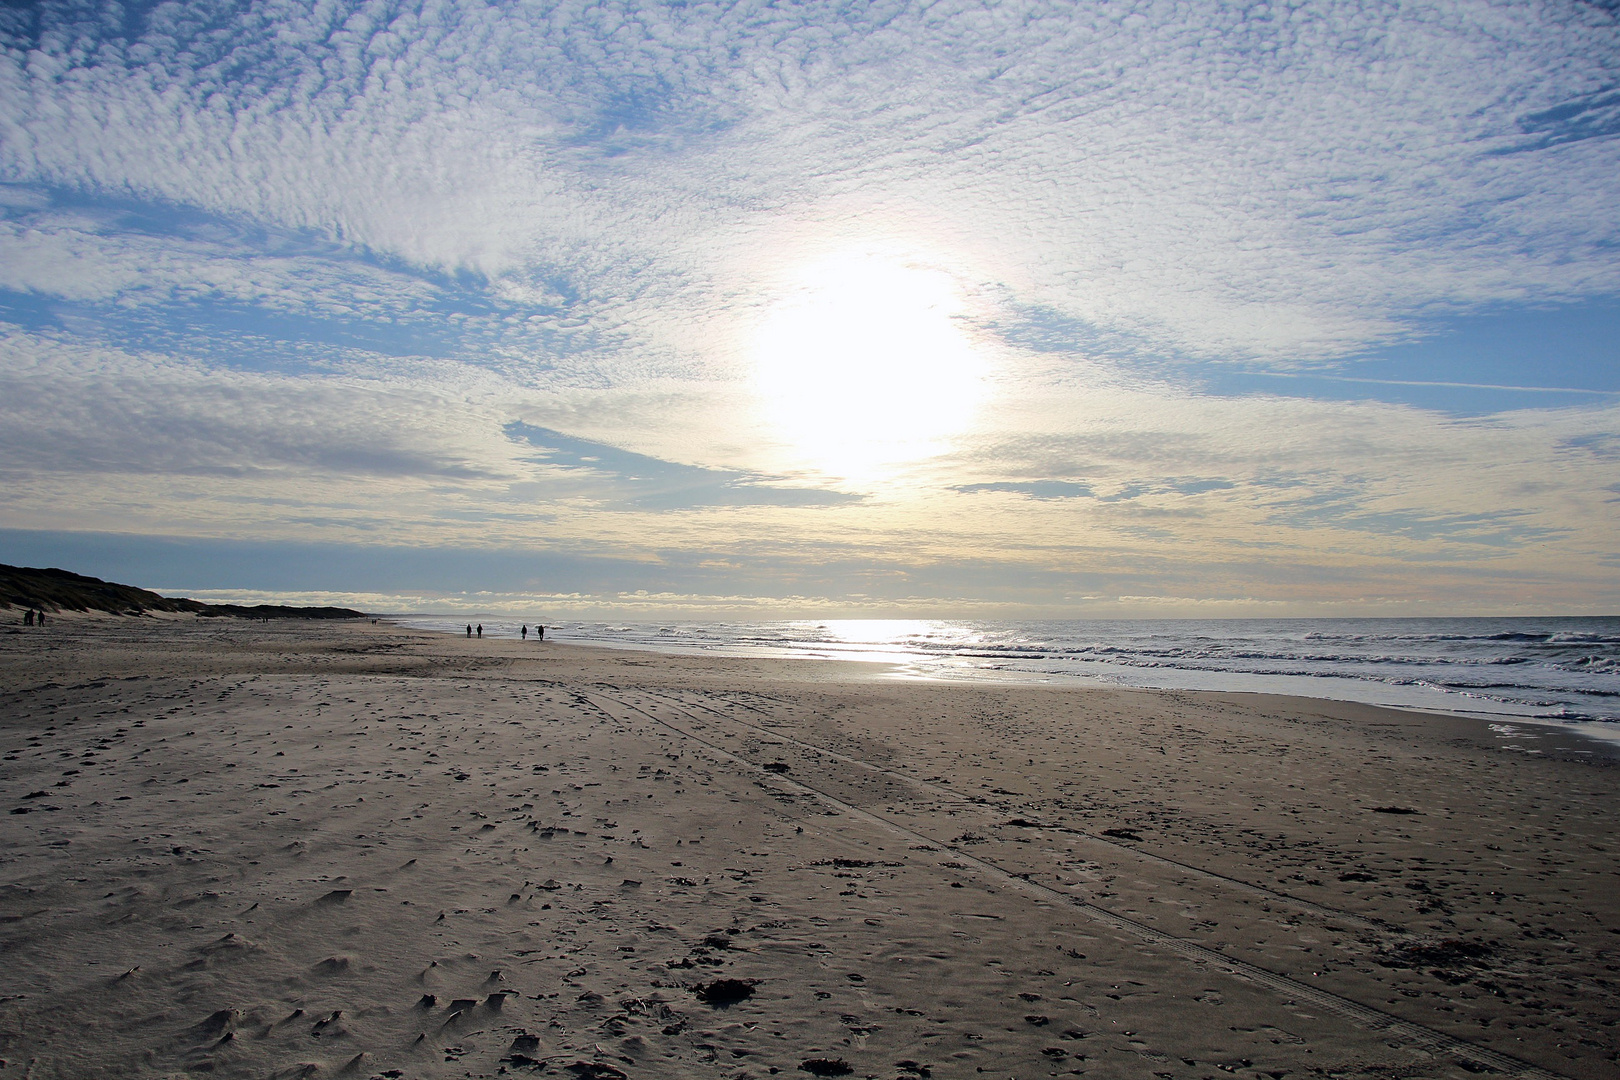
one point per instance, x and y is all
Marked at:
(782, 310)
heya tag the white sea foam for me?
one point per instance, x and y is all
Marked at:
(1551, 670)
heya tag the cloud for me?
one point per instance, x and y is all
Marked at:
(74, 410)
(1600, 445)
(637, 481)
(1586, 116)
(1070, 489)
(288, 271)
(1502, 529)
(265, 299)
(1227, 182)
(1035, 489)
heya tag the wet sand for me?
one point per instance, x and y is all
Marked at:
(245, 849)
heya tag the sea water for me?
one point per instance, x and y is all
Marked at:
(1564, 670)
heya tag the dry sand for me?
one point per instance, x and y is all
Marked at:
(242, 849)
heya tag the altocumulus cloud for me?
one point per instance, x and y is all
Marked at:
(291, 270)
(1329, 169)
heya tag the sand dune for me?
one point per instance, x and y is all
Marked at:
(49, 589)
(352, 850)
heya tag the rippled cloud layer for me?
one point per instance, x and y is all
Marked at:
(1299, 306)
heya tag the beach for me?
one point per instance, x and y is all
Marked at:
(235, 848)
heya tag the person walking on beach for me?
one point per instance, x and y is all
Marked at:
(28, 619)
(469, 629)
(525, 631)
(480, 629)
(39, 617)
(541, 631)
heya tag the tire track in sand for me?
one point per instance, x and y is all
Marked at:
(967, 803)
(1406, 1031)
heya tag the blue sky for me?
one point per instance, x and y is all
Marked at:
(816, 309)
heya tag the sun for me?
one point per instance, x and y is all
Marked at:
(865, 364)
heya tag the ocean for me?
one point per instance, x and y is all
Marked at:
(1552, 670)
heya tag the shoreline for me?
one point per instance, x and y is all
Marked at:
(354, 849)
(1603, 736)
(1595, 739)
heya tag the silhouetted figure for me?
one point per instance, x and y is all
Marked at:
(28, 619)
(541, 631)
(469, 629)
(480, 629)
(525, 631)
(39, 617)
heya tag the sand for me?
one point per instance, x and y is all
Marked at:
(284, 850)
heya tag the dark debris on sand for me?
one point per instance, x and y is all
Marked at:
(724, 993)
(595, 1070)
(1445, 958)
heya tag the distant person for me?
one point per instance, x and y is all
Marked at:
(480, 629)
(541, 631)
(39, 617)
(28, 619)
(525, 631)
(469, 629)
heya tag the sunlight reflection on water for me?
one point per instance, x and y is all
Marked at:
(1546, 670)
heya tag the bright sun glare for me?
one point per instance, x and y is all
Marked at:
(865, 364)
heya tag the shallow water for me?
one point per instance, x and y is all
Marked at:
(1547, 669)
